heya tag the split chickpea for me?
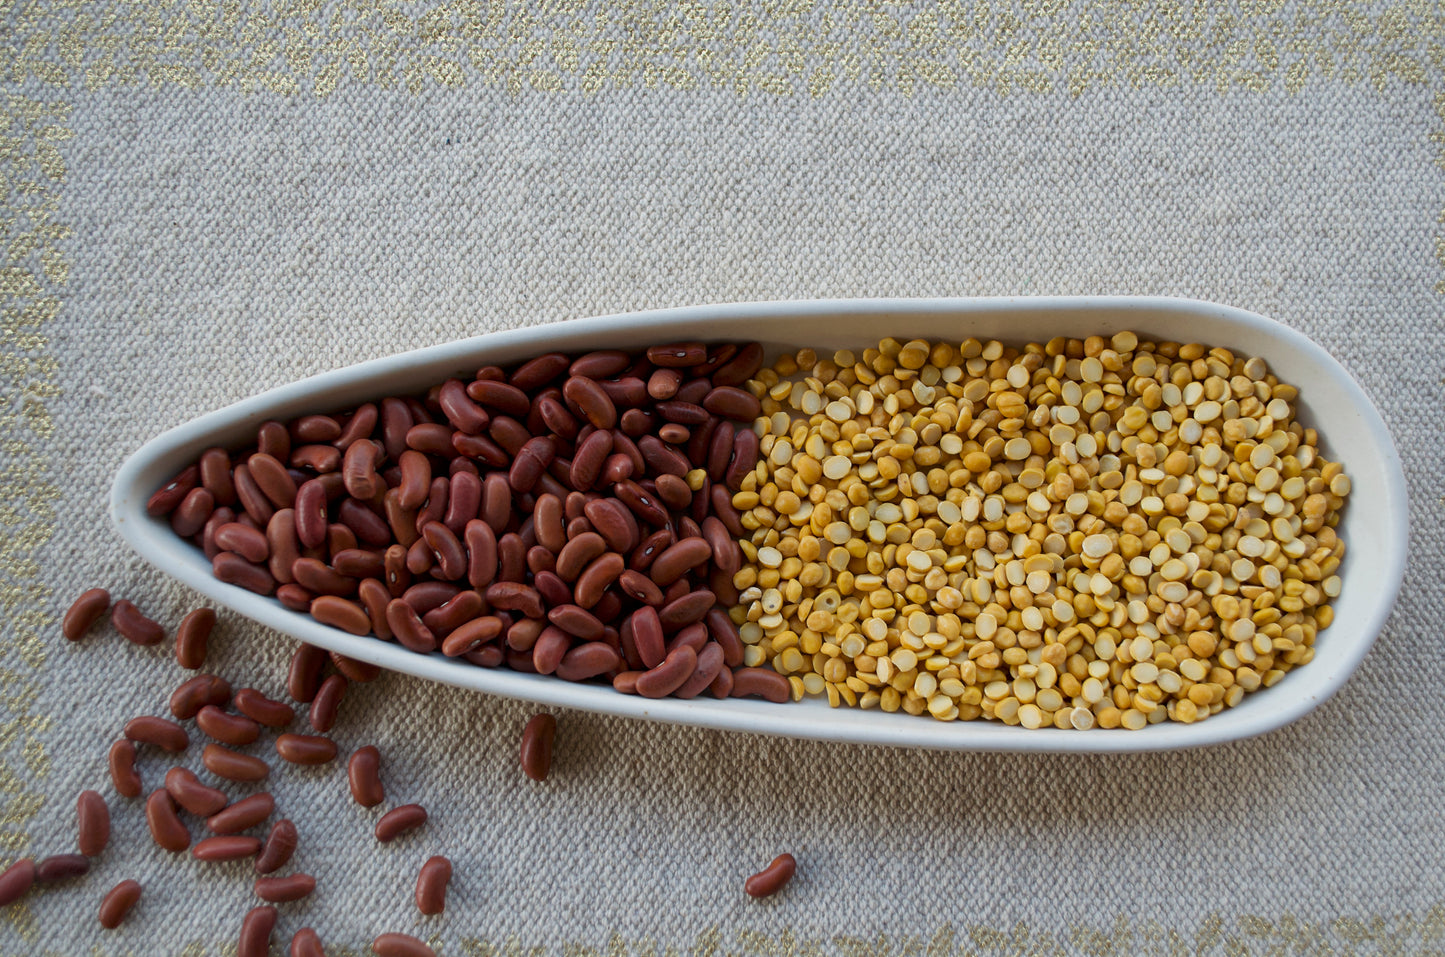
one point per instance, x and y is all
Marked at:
(1105, 532)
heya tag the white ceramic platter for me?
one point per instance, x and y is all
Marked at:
(1374, 525)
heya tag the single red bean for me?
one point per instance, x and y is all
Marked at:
(578, 553)
(549, 650)
(720, 451)
(682, 413)
(614, 522)
(588, 660)
(305, 748)
(722, 630)
(644, 506)
(215, 474)
(324, 706)
(722, 685)
(316, 458)
(648, 637)
(170, 495)
(226, 847)
(165, 825)
(496, 502)
(667, 677)
(360, 672)
(235, 570)
(592, 454)
(84, 612)
(316, 428)
(575, 621)
(358, 562)
(744, 364)
(513, 596)
(280, 845)
(272, 479)
(731, 402)
(722, 507)
(400, 945)
(256, 930)
(694, 636)
(296, 598)
(187, 791)
(236, 730)
(597, 577)
(228, 764)
(744, 459)
(340, 613)
(360, 425)
(398, 821)
(638, 586)
(762, 682)
(415, 479)
(304, 676)
(661, 458)
(261, 709)
(453, 613)
(451, 558)
(358, 468)
(431, 885)
(17, 880)
(464, 501)
(587, 398)
(192, 636)
(193, 695)
(92, 818)
(369, 527)
(279, 890)
(363, 774)
(504, 398)
(136, 627)
(663, 383)
(122, 769)
(61, 867)
(190, 516)
(601, 364)
(538, 372)
(471, 635)
(678, 560)
(247, 812)
(249, 494)
(674, 492)
(166, 735)
(408, 628)
(686, 610)
(625, 682)
(311, 515)
(315, 575)
(677, 355)
(709, 665)
(274, 439)
(430, 438)
(395, 423)
(118, 902)
(772, 878)
(306, 943)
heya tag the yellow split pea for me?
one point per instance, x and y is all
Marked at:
(1104, 532)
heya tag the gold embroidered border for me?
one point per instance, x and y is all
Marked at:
(774, 48)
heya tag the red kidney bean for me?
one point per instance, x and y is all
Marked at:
(496, 502)
(487, 656)
(539, 559)
(398, 821)
(190, 516)
(419, 558)
(401, 521)
(117, 903)
(670, 675)
(233, 766)
(709, 665)
(374, 598)
(165, 825)
(408, 628)
(550, 648)
(733, 403)
(431, 885)
(304, 676)
(588, 399)
(522, 635)
(311, 518)
(627, 392)
(136, 627)
(555, 416)
(451, 558)
(235, 570)
(614, 522)
(722, 630)
(358, 563)
(663, 383)
(17, 880)
(745, 458)
(509, 434)
(305, 748)
(578, 553)
(322, 715)
(225, 847)
(674, 493)
(761, 682)
(61, 867)
(540, 371)
(280, 844)
(214, 470)
(588, 660)
(481, 448)
(249, 494)
(639, 587)
(415, 480)
(400, 945)
(272, 479)
(316, 458)
(192, 636)
(694, 636)
(395, 423)
(316, 428)
(279, 890)
(426, 595)
(464, 501)
(261, 709)
(647, 637)
(699, 442)
(637, 422)
(677, 355)
(282, 545)
(340, 613)
(617, 468)
(170, 495)
(274, 439)
(92, 819)
(166, 735)
(359, 425)
(601, 364)
(472, 635)
(678, 560)
(687, 610)
(575, 621)
(642, 504)
(430, 438)
(592, 453)
(531, 461)
(256, 929)
(221, 516)
(682, 413)
(693, 390)
(501, 397)
(597, 577)
(720, 451)
(339, 539)
(726, 555)
(653, 545)
(772, 878)
(363, 774)
(233, 729)
(453, 613)
(122, 769)
(661, 458)
(722, 507)
(625, 682)
(84, 612)
(368, 526)
(722, 686)
(742, 367)
(513, 596)
(187, 791)
(459, 409)
(193, 695)
(247, 812)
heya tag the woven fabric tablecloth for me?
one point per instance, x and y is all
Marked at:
(201, 201)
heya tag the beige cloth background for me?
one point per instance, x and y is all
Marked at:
(202, 203)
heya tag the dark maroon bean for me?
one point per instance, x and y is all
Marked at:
(551, 647)
(280, 844)
(674, 434)
(487, 656)
(315, 429)
(464, 501)
(497, 502)
(316, 576)
(741, 367)
(644, 506)
(261, 709)
(663, 383)
(369, 527)
(744, 458)
(637, 422)
(530, 463)
(678, 560)
(450, 556)
(358, 563)
(720, 451)
(588, 660)
(247, 812)
(252, 499)
(116, 904)
(602, 364)
(453, 613)
(92, 818)
(733, 403)
(424, 596)
(512, 558)
(304, 676)
(682, 413)
(709, 666)
(555, 416)
(722, 507)
(693, 390)
(214, 470)
(272, 479)
(554, 591)
(772, 878)
(481, 448)
(614, 522)
(578, 553)
(589, 400)
(190, 516)
(592, 453)
(430, 438)
(61, 867)
(311, 517)
(625, 393)
(597, 577)
(660, 458)
(722, 630)
(647, 636)
(360, 672)
(617, 468)
(398, 821)
(282, 545)
(575, 621)
(538, 372)
(431, 883)
(322, 714)
(408, 628)
(687, 610)
(674, 493)
(363, 774)
(358, 426)
(274, 439)
(722, 686)
(415, 479)
(419, 558)
(256, 930)
(639, 587)
(652, 546)
(699, 442)
(510, 434)
(279, 890)
(762, 682)
(122, 769)
(170, 495)
(84, 612)
(500, 397)
(221, 516)
(551, 527)
(233, 729)
(295, 597)
(677, 355)
(667, 677)
(455, 400)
